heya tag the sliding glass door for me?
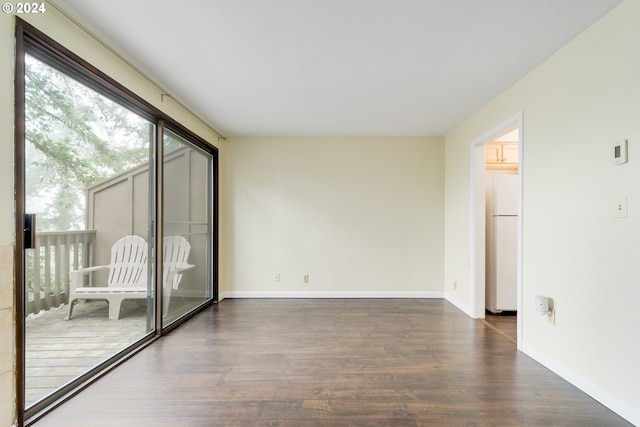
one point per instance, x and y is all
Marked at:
(187, 226)
(88, 281)
(112, 198)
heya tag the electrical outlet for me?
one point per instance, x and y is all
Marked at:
(551, 318)
(305, 279)
(276, 277)
(621, 207)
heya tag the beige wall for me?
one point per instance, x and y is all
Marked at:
(7, 354)
(63, 31)
(366, 214)
(575, 250)
(358, 214)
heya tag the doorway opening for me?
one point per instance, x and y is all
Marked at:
(497, 228)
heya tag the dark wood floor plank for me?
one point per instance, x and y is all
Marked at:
(331, 362)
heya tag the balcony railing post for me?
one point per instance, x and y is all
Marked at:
(55, 254)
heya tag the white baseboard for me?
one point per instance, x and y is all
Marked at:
(464, 308)
(336, 294)
(620, 408)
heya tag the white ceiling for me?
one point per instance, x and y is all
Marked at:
(336, 67)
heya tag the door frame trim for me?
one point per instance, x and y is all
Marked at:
(478, 219)
(19, 203)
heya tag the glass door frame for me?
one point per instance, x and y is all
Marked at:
(212, 184)
(31, 40)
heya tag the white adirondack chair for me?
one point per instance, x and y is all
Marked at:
(174, 262)
(127, 276)
(128, 273)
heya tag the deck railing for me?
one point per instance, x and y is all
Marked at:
(55, 254)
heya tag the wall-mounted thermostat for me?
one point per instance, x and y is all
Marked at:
(620, 152)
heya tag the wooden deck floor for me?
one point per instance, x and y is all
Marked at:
(331, 363)
(58, 351)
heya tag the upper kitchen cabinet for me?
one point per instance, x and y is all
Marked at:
(502, 154)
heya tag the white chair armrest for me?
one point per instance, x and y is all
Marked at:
(76, 276)
(179, 268)
(89, 269)
(171, 273)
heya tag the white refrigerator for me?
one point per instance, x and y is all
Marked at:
(502, 253)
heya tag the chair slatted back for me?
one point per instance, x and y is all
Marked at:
(128, 266)
(175, 254)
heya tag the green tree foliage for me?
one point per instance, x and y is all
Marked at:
(75, 139)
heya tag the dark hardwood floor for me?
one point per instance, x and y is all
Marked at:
(504, 323)
(331, 362)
